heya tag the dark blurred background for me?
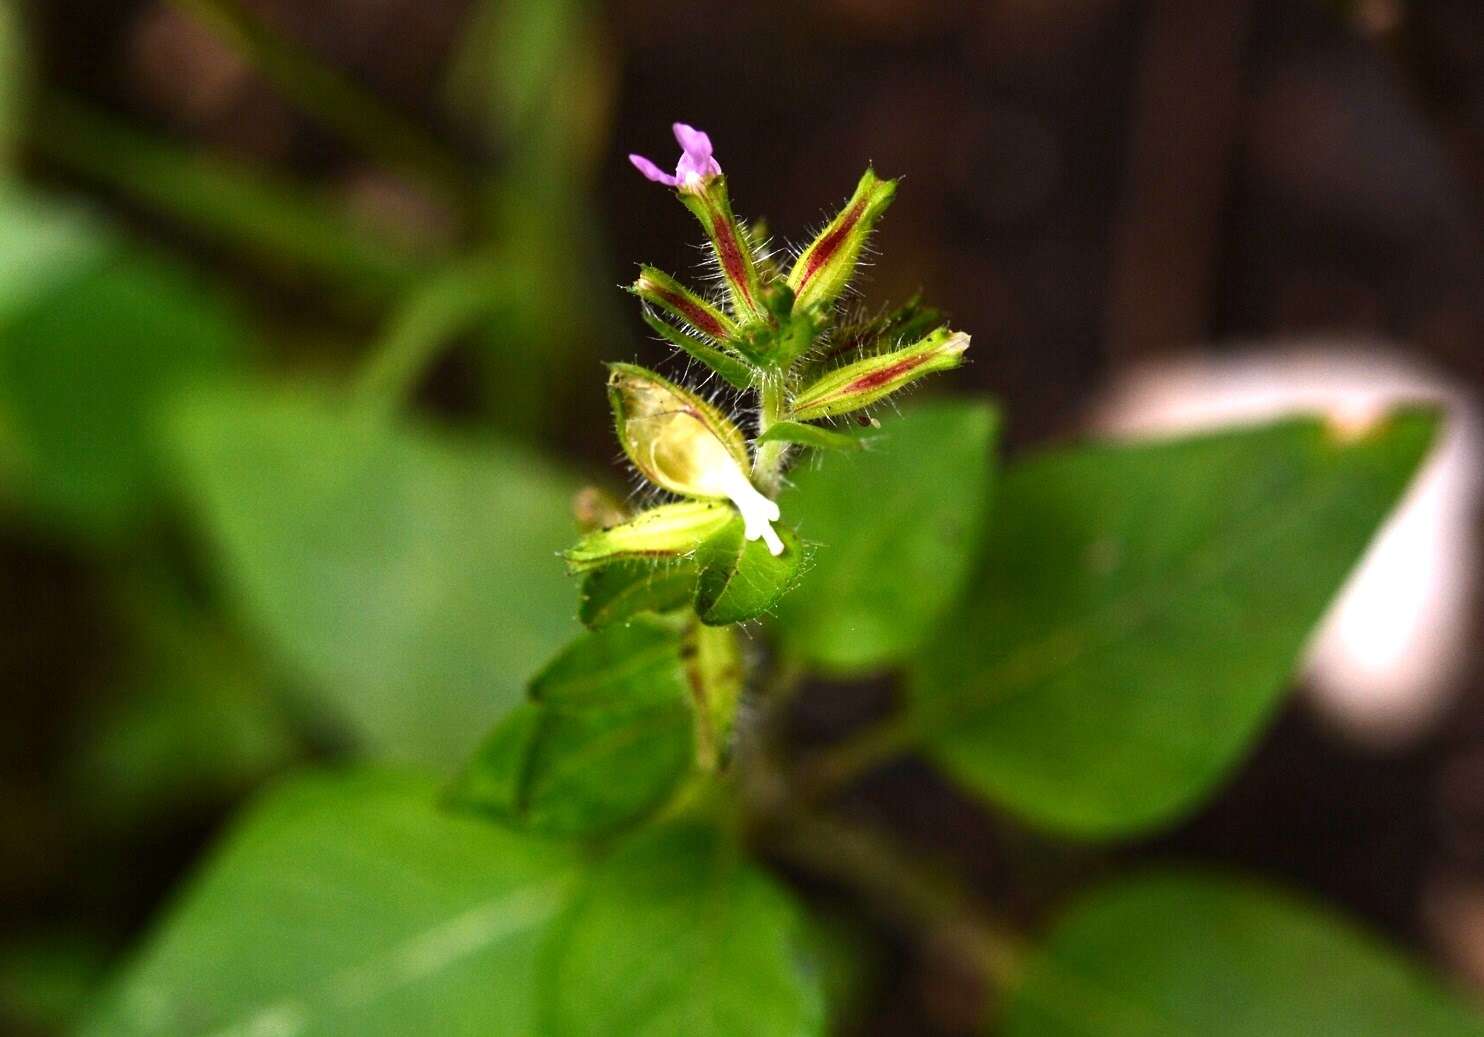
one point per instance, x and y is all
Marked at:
(1093, 188)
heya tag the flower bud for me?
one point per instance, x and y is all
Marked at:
(664, 293)
(824, 268)
(669, 531)
(710, 204)
(683, 444)
(864, 382)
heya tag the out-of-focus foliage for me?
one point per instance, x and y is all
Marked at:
(679, 934)
(350, 904)
(1181, 954)
(898, 527)
(1140, 609)
(94, 336)
(410, 579)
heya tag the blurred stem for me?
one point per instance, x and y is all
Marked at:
(277, 221)
(335, 101)
(444, 306)
(834, 768)
(904, 887)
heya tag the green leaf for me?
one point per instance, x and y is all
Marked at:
(679, 934)
(413, 583)
(1141, 610)
(609, 735)
(899, 528)
(1173, 955)
(570, 772)
(734, 372)
(349, 905)
(817, 436)
(626, 589)
(94, 337)
(638, 664)
(741, 579)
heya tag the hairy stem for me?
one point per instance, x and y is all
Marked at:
(767, 466)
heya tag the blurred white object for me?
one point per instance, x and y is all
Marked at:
(1387, 658)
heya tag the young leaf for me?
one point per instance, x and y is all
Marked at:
(410, 582)
(899, 529)
(679, 935)
(816, 436)
(626, 589)
(741, 579)
(349, 905)
(1188, 954)
(1142, 607)
(576, 772)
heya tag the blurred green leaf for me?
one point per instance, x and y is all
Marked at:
(93, 338)
(349, 904)
(46, 981)
(414, 582)
(625, 589)
(609, 734)
(191, 724)
(1141, 610)
(899, 528)
(1167, 955)
(740, 579)
(678, 933)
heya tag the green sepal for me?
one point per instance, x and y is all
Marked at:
(818, 437)
(626, 589)
(734, 372)
(866, 381)
(731, 245)
(825, 268)
(670, 531)
(676, 439)
(740, 579)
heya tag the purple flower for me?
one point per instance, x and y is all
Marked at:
(695, 166)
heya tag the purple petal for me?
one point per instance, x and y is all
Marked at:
(696, 163)
(652, 171)
(693, 142)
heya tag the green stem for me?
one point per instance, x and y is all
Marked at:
(767, 466)
(276, 221)
(445, 305)
(334, 100)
